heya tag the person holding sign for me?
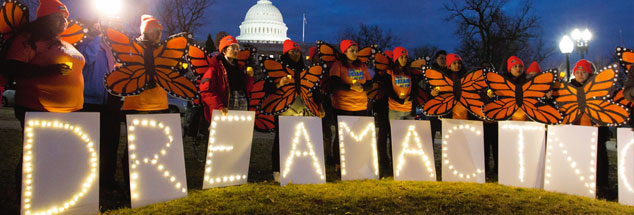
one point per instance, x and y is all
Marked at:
(226, 84)
(285, 80)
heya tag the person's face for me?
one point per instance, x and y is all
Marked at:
(352, 53)
(294, 55)
(59, 23)
(402, 60)
(581, 76)
(441, 60)
(153, 35)
(517, 70)
(456, 66)
(232, 51)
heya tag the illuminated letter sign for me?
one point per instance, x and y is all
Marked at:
(462, 151)
(521, 153)
(357, 147)
(301, 150)
(412, 150)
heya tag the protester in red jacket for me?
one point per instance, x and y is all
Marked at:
(226, 84)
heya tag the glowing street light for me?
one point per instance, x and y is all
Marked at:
(566, 45)
(581, 38)
(109, 8)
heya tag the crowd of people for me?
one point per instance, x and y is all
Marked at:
(54, 76)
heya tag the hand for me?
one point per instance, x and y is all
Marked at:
(284, 81)
(490, 93)
(250, 71)
(224, 111)
(402, 96)
(322, 112)
(435, 91)
(408, 98)
(549, 94)
(356, 87)
(63, 68)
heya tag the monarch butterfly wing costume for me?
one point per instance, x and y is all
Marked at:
(263, 122)
(626, 57)
(245, 55)
(471, 84)
(166, 57)
(593, 102)
(199, 61)
(381, 63)
(367, 54)
(75, 33)
(130, 77)
(505, 105)
(13, 15)
(443, 103)
(418, 66)
(327, 53)
(533, 95)
(281, 99)
(310, 78)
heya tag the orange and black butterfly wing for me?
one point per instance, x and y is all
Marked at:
(13, 15)
(598, 107)
(567, 102)
(310, 78)
(263, 122)
(166, 58)
(381, 63)
(280, 100)
(130, 76)
(472, 83)
(327, 53)
(75, 33)
(366, 54)
(419, 64)
(626, 57)
(505, 103)
(445, 101)
(199, 59)
(245, 55)
(620, 99)
(533, 94)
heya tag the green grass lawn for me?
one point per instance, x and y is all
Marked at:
(261, 196)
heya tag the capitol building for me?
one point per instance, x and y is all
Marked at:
(264, 28)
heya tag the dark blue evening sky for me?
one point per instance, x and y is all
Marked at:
(420, 22)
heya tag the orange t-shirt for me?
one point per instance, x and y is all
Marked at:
(350, 100)
(148, 100)
(402, 85)
(55, 92)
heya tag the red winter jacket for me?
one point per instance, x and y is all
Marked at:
(214, 87)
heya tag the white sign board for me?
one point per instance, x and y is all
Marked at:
(301, 150)
(157, 163)
(357, 148)
(462, 151)
(60, 171)
(521, 153)
(571, 157)
(412, 150)
(229, 149)
(625, 141)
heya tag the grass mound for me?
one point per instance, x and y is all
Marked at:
(379, 197)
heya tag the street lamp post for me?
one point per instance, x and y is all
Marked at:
(581, 40)
(566, 46)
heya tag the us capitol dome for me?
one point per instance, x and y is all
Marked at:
(262, 24)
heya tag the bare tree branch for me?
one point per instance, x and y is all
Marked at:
(183, 15)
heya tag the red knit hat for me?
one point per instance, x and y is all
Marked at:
(48, 7)
(345, 44)
(451, 58)
(534, 67)
(512, 61)
(290, 45)
(226, 41)
(148, 23)
(398, 52)
(389, 54)
(584, 65)
(312, 52)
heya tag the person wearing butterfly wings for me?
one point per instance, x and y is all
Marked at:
(292, 90)
(226, 84)
(47, 70)
(584, 101)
